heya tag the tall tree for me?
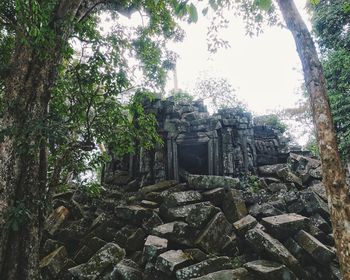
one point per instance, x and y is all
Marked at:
(256, 12)
(331, 21)
(35, 36)
(334, 178)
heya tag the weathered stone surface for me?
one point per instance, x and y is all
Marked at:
(263, 242)
(243, 225)
(277, 187)
(203, 268)
(228, 274)
(316, 173)
(134, 214)
(270, 270)
(284, 225)
(54, 262)
(149, 204)
(199, 217)
(286, 175)
(234, 206)
(126, 270)
(206, 182)
(83, 255)
(196, 254)
(318, 221)
(296, 250)
(152, 222)
(180, 212)
(170, 261)
(314, 204)
(181, 198)
(178, 232)
(73, 230)
(264, 210)
(154, 246)
(108, 255)
(56, 219)
(161, 186)
(215, 236)
(136, 240)
(320, 190)
(315, 248)
(95, 243)
(270, 170)
(215, 196)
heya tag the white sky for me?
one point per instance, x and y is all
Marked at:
(264, 70)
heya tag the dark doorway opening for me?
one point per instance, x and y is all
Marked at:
(193, 158)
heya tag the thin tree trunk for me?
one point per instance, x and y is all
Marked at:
(334, 178)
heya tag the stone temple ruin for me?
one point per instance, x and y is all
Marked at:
(153, 221)
(226, 143)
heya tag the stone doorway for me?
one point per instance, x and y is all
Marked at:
(193, 158)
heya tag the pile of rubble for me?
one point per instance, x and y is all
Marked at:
(272, 226)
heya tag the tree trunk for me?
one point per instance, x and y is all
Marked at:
(23, 162)
(334, 178)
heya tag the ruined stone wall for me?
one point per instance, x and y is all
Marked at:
(226, 143)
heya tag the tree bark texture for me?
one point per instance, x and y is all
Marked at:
(334, 178)
(23, 155)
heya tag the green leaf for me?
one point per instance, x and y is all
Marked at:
(263, 4)
(213, 4)
(315, 2)
(192, 10)
(205, 11)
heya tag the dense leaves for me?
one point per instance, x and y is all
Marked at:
(331, 21)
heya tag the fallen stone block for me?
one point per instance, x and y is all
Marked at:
(270, 170)
(181, 198)
(199, 217)
(180, 212)
(54, 263)
(215, 236)
(315, 248)
(264, 210)
(314, 204)
(269, 270)
(262, 242)
(126, 270)
(56, 219)
(203, 268)
(215, 196)
(205, 182)
(153, 247)
(320, 190)
(284, 225)
(243, 225)
(228, 274)
(152, 222)
(161, 186)
(136, 241)
(109, 254)
(287, 176)
(133, 214)
(170, 261)
(234, 206)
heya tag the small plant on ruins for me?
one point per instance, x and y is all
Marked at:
(254, 183)
(92, 189)
(237, 261)
(181, 96)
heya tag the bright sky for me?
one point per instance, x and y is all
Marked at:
(264, 70)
